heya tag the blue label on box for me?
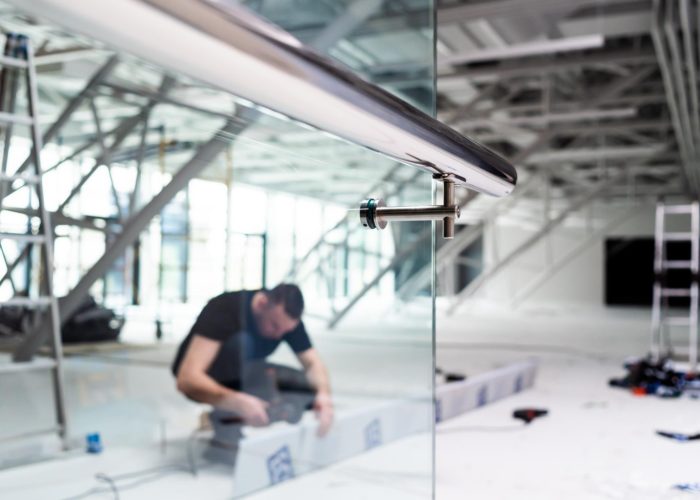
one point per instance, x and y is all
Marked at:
(373, 434)
(483, 396)
(279, 465)
(518, 383)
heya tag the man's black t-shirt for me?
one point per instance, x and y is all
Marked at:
(229, 317)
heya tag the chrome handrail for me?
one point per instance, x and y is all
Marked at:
(229, 47)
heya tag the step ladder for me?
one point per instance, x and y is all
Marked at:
(662, 320)
(17, 63)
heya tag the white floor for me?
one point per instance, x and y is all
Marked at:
(597, 442)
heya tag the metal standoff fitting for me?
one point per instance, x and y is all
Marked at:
(368, 214)
(374, 214)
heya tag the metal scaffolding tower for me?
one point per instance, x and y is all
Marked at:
(661, 344)
(17, 59)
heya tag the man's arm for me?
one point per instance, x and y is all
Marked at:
(193, 382)
(317, 374)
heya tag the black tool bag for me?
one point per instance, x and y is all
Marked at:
(91, 323)
(13, 321)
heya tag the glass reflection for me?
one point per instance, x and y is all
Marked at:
(274, 205)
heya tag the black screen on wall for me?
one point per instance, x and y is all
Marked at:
(629, 271)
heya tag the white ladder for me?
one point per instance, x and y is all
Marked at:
(661, 320)
(18, 59)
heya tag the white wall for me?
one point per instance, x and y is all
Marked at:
(578, 282)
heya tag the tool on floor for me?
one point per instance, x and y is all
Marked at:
(679, 436)
(661, 320)
(694, 487)
(646, 377)
(450, 376)
(527, 415)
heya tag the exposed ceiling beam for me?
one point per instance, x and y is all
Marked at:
(508, 8)
(527, 49)
(609, 25)
(588, 155)
(539, 66)
(569, 106)
(622, 126)
(544, 119)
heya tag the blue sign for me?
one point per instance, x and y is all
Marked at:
(483, 396)
(279, 465)
(373, 434)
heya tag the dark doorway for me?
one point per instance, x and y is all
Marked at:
(629, 271)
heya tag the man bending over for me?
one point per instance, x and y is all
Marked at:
(222, 360)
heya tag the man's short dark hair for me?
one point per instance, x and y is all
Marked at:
(289, 295)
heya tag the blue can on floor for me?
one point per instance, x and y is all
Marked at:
(94, 443)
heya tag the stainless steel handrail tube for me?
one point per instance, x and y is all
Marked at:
(417, 213)
(227, 46)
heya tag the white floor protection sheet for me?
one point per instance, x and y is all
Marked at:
(274, 457)
(456, 398)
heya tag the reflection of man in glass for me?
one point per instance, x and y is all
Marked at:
(222, 360)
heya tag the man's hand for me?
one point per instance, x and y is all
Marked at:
(252, 410)
(317, 376)
(323, 407)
